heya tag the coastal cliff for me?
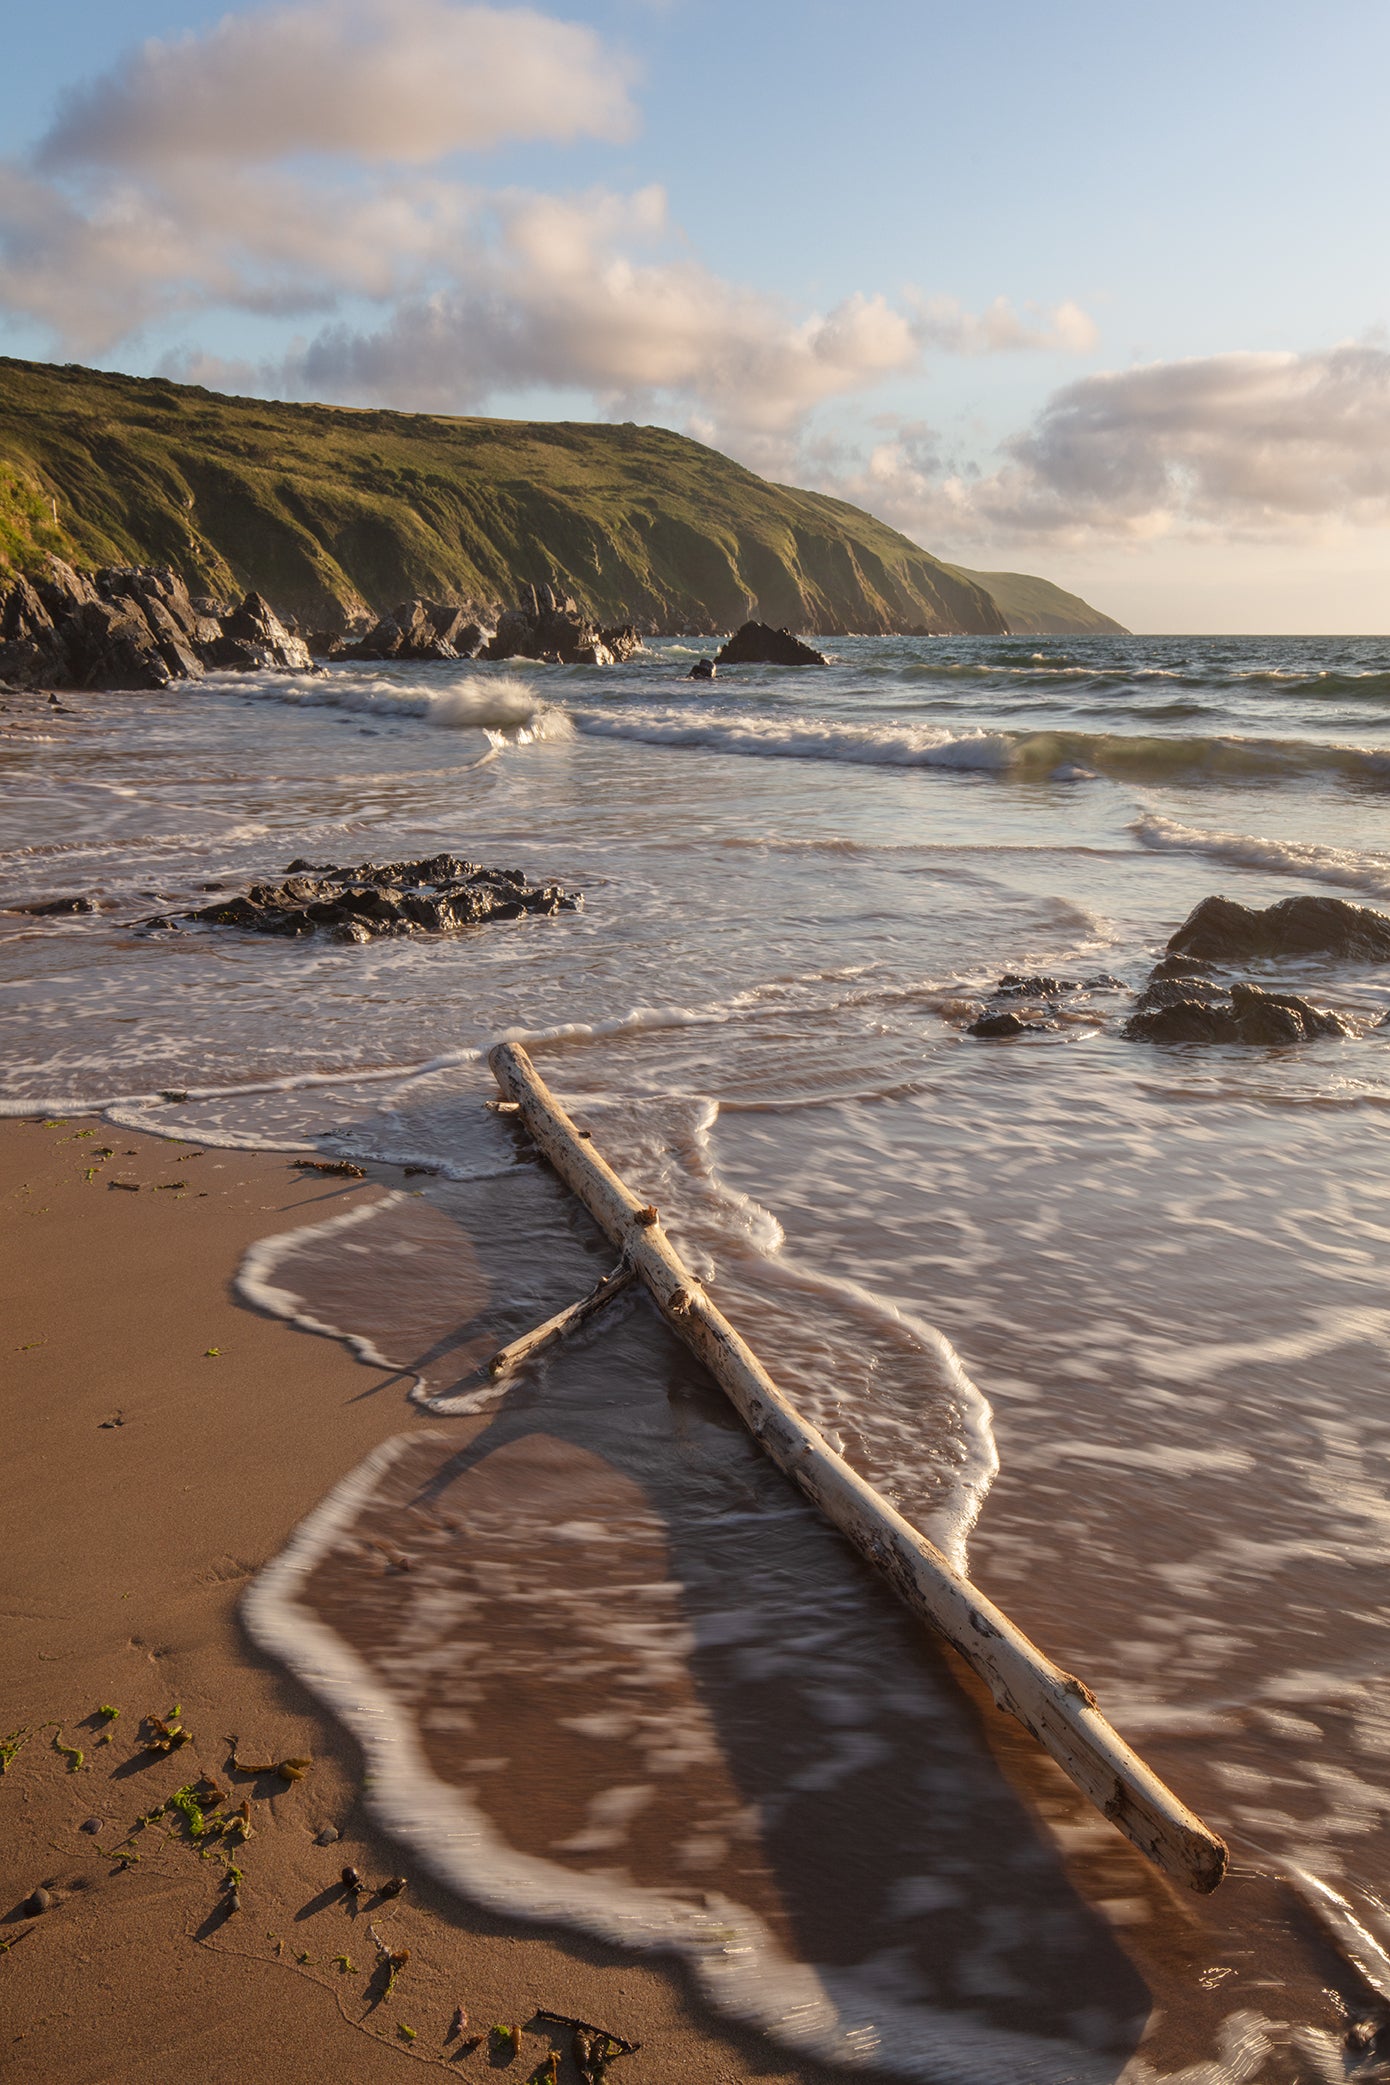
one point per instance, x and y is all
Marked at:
(335, 514)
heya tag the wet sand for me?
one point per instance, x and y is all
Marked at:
(127, 1546)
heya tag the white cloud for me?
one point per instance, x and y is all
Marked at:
(408, 81)
(1257, 445)
(998, 329)
(568, 293)
(286, 162)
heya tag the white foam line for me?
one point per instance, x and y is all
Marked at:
(730, 1952)
(293, 1082)
(950, 1529)
(1359, 1946)
(1336, 865)
(254, 1281)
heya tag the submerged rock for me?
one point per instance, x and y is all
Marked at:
(758, 644)
(702, 670)
(1221, 930)
(1247, 1015)
(439, 895)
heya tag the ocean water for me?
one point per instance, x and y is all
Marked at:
(1108, 1321)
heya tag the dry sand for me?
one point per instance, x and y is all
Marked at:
(126, 1546)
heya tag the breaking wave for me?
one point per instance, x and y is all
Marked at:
(1344, 866)
(501, 705)
(1029, 755)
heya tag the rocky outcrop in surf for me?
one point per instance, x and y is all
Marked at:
(1245, 1014)
(758, 644)
(1185, 1000)
(1220, 930)
(548, 626)
(135, 627)
(416, 630)
(439, 895)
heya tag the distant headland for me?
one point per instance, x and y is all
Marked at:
(335, 514)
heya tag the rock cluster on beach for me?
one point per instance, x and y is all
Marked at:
(758, 644)
(416, 630)
(1184, 1000)
(545, 625)
(133, 626)
(439, 895)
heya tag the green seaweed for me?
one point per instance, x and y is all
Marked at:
(12, 1745)
(345, 1965)
(74, 1755)
(407, 2034)
(185, 1801)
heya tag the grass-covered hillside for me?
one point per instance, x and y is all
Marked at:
(330, 512)
(1035, 607)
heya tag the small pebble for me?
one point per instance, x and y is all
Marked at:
(233, 1902)
(91, 1824)
(40, 1901)
(352, 1882)
(392, 1888)
(329, 1836)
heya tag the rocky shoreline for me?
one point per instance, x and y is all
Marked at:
(135, 627)
(138, 627)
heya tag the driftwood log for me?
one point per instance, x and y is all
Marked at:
(1057, 1709)
(563, 1323)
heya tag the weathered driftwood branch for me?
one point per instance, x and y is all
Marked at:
(563, 1322)
(1057, 1709)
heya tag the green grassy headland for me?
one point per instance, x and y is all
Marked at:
(331, 511)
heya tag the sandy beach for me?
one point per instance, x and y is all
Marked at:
(162, 1440)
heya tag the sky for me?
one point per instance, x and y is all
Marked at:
(1091, 291)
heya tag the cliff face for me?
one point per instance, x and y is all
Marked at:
(1035, 607)
(331, 513)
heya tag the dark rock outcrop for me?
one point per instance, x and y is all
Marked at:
(758, 644)
(253, 636)
(132, 626)
(1013, 985)
(1220, 930)
(1182, 966)
(702, 670)
(1177, 991)
(548, 626)
(1246, 1015)
(434, 896)
(1000, 1026)
(422, 630)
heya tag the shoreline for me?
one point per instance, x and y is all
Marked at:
(128, 1549)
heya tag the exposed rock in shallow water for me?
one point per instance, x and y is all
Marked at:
(1222, 931)
(435, 896)
(1013, 985)
(1248, 1015)
(758, 644)
(1181, 966)
(998, 1027)
(1177, 991)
